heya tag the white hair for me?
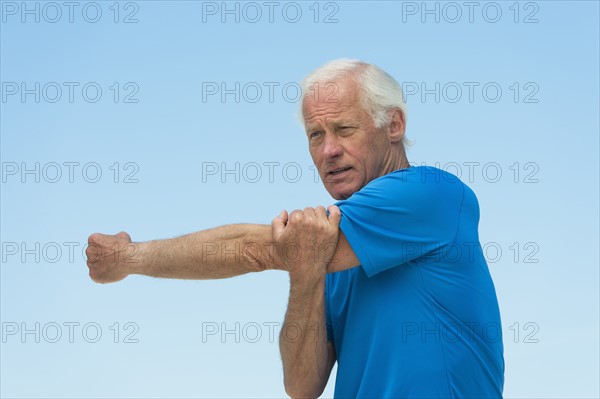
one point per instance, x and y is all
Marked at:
(379, 92)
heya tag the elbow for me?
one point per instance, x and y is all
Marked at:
(251, 254)
(302, 391)
(253, 261)
(301, 394)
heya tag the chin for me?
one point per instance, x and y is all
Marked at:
(341, 194)
(338, 197)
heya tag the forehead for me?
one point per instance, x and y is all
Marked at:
(331, 99)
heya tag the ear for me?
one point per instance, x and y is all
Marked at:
(397, 125)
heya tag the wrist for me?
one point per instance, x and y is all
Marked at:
(135, 264)
(307, 280)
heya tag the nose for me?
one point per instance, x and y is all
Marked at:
(331, 147)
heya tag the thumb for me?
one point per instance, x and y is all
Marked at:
(334, 215)
(278, 224)
(124, 235)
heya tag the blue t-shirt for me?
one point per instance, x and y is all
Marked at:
(419, 318)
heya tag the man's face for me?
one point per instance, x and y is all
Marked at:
(343, 141)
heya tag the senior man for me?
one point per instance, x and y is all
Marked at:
(391, 283)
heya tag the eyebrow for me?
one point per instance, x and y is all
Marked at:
(345, 120)
(311, 126)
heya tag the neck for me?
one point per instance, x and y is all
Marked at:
(396, 160)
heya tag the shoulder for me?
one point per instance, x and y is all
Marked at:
(417, 185)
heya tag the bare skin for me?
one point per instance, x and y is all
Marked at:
(222, 252)
(341, 136)
(340, 133)
(349, 152)
(307, 356)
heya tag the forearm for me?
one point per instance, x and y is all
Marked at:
(303, 339)
(221, 252)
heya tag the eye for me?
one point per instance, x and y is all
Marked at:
(345, 130)
(314, 134)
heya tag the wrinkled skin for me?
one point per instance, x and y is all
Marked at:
(306, 240)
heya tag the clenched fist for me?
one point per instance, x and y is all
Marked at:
(307, 240)
(110, 257)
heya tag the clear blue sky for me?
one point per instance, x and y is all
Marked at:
(162, 118)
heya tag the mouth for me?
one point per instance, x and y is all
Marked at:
(338, 171)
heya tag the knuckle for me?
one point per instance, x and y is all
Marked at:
(296, 215)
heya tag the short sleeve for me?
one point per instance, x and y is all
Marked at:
(401, 216)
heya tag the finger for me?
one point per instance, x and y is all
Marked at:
(296, 216)
(321, 213)
(93, 252)
(93, 238)
(335, 215)
(278, 224)
(310, 212)
(124, 235)
(283, 217)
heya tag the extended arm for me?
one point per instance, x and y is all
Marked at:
(221, 252)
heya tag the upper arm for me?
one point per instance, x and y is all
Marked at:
(389, 222)
(344, 257)
(394, 220)
(262, 251)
